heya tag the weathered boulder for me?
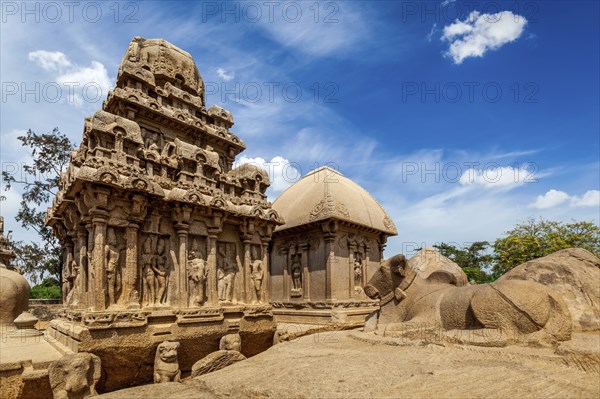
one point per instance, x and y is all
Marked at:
(216, 361)
(229, 352)
(572, 273)
(429, 260)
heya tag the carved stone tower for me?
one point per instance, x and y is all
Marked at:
(156, 225)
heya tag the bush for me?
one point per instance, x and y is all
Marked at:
(48, 292)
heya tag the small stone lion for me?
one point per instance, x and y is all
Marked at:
(166, 365)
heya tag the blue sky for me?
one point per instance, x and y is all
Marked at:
(461, 118)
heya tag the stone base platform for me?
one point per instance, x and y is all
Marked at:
(24, 362)
(341, 313)
(126, 341)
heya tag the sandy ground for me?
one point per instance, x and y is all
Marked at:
(351, 364)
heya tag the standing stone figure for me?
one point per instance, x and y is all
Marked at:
(160, 268)
(148, 277)
(111, 252)
(166, 364)
(358, 272)
(256, 275)
(66, 287)
(296, 274)
(75, 277)
(197, 274)
(226, 276)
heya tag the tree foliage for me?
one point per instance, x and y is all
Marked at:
(472, 259)
(50, 153)
(534, 239)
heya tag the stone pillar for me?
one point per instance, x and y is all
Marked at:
(286, 277)
(181, 274)
(329, 239)
(68, 260)
(266, 289)
(247, 291)
(82, 238)
(211, 285)
(351, 249)
(365, 266)
(131, 293)
(98, 263)
(89, 289)
(305, 271)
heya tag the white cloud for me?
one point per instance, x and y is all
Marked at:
(50, 60)
(590, 198)
(447, 2)
(551, 199)
(81, 84)
(554, 198)
(505, 177)
(223, 74)
(282, 172)
(480, 33)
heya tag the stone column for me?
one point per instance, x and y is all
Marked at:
(98, 263)
(266, 286)
(211, 285)
(89, 288)
(247, 291)
(351, 249)
(286, 277)
(181, 274)
(365, 266)
(329, 239)
(67, 269)
(131, 293)
(82, 238)
(305, 272)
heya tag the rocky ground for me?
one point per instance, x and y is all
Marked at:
(352, 364)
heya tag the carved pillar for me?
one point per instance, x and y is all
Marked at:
(131, 293)
(365, 265)
(89, 288)
(82, 239)
(305, 272)
(247, 291)
(67, 261)
(181, 274)
(286, 277)
(98, 263)
(266, 289)
(329, 233)
(211, 285)
(351, 249)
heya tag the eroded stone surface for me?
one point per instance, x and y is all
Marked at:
(75, 376)
(574, 274)
(494, 314)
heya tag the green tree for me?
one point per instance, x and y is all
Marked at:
(534, 239)
(472, 259)
(50, 154)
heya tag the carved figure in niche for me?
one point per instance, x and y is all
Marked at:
(73, 296)
(160, 268)
(111, 253)
(166, 364)
(197, 274)
(74, 376)
(358, 272)
(226, 275)
(151, 138)
(296, 273)
(256, 275)
(148, 272)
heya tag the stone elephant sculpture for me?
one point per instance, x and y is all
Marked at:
(493, 314)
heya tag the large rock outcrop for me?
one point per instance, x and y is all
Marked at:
(574, 274)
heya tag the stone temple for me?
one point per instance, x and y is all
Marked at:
(331, 244)
(163, 238)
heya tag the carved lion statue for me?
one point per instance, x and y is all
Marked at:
(74, 376)
(493, 314)
(166, 365)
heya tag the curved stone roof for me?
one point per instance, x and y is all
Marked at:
(326, 193)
